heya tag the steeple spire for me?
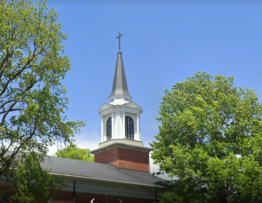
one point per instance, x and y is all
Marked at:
(119, 90)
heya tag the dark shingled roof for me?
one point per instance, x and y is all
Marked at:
(101, 171)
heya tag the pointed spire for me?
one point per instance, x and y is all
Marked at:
(119, 89)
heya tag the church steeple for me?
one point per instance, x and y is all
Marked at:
(119, 92)
(121, 143)
(119, 89)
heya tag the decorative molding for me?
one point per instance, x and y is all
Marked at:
(121, 145)
(110, 183)
(124, 140)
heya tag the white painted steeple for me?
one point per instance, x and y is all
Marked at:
(120, 119)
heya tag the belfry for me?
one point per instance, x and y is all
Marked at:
(121, 143)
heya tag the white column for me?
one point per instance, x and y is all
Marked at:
(124, 126)
(102, 129)
(113, 125)
(117, 126)
(138, 127)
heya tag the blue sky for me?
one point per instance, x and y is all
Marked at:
(163, 43)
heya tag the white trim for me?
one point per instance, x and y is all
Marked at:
(124, 125)
(113, 125)
(105, 180)
(138, 127)
(102, 128)
(118, 113)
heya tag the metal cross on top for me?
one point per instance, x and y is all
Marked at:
(119, 35)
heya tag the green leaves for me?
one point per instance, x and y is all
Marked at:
(74, 152)
(28, 182)
(210, 138)
(32, 65)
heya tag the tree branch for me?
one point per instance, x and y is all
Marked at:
(17, 109)
(3, 119)
(15, 152)
(6, 103)
(20, 71)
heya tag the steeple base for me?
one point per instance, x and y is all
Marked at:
(123, 141)
(124, 156)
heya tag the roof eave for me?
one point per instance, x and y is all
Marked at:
(113, 182)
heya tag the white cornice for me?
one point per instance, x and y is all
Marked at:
(124, 141)
(109, 182)
(130, 107)
(121, 145)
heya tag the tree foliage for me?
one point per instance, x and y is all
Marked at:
(74, 152)
(32, 100)
(27, 182)
(210, 138)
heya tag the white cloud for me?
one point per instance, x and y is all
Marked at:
(87, 144)
(88, 140)
(52, 150)
(83, 140)
(155, 168)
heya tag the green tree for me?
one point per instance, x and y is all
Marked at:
(210, 138)
(28, 182)
(74, 152)
(32, 100)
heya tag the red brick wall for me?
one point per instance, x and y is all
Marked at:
(125, 158)
(109, 156)
(67, 197)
